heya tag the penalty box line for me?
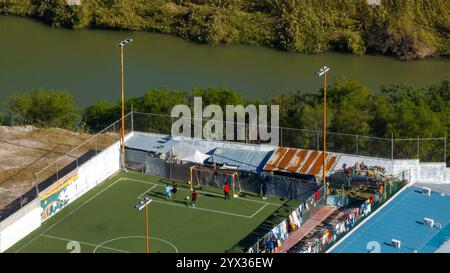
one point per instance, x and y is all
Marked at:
(70, 213)
(265, 204)
(83, 243)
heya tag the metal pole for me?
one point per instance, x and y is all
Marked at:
(146, 229)
(357, 144)
(324, 127)
(392, 146)
(281, 138)
(36, 184)
(418, 147)
(123, 108)
(445, 156)
(132, 119)
(318, 142)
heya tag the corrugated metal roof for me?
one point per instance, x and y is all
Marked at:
(245, 160)
(299, 161)
(153, 143)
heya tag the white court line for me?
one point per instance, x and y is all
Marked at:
(211, 193)
(259, 210)
(198, 208)
(84, 243)
(145, 182)
(261, 202)
(139, 236)
(67, 215)
(211, 210)
(154, 186)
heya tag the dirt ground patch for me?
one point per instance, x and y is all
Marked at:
(26, 150)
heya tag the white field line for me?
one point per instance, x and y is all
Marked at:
(368, 218)
(145, 182)
(211, 210)
(70, 213)
(139, 236)
(261, 202)
(154, 186)
(254, 214)
(211, 193)
(84, 243)
(204, 209)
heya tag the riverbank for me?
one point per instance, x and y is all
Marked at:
(400, 28)
(87, 62)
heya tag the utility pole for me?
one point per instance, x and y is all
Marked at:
(323, 72)
(121, 45)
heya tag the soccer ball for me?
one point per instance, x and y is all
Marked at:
(187, 197)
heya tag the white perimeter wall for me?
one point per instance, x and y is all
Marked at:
(98, 168)
(20, 224)
(90, 174)
(416, 171)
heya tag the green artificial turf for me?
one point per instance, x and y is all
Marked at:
(105, 220)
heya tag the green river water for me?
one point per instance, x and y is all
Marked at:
(86, 62)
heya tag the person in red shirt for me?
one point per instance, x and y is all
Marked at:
(194, 197)
(226, 191)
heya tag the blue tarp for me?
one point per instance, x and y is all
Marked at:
(244, 160)
(157, 144)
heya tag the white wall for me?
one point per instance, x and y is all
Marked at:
(97, 169)
(432, 173)
(19, 225)
(90, 174)
(418, 172)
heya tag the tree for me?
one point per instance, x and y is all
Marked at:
(53, 108)
(100, 115)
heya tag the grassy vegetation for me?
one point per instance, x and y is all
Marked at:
(408, 29)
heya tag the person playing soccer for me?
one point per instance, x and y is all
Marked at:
(264, 191)
(226, 191)
(174, 189)
(193, 197)
(168, 190)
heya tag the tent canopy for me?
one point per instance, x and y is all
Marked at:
(196, 157)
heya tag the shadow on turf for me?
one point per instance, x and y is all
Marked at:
(271, 221)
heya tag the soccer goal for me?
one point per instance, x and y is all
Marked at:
(201, 175)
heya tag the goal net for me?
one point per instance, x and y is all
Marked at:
(206, 176)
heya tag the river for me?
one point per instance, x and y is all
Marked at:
(86, 62)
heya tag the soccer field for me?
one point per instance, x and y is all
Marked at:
(105, 220)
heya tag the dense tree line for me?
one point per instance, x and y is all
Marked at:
(396, 110)
(407, 29)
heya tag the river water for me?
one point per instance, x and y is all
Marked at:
(86, 62)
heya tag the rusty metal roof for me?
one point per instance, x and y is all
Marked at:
(300, 161)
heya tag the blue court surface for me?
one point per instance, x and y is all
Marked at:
(402, 219)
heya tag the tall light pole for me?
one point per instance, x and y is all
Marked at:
(323, 72)
(144, 203)
(121, 45)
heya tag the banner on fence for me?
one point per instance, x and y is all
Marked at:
(58, 195)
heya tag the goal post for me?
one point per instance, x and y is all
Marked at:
(198, 173)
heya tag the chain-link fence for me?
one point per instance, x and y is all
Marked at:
(12, 200)
(424, 149)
